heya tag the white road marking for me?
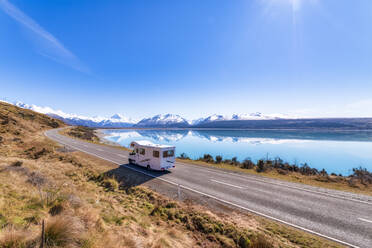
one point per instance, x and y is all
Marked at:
(121, 156)
(369, 221)
(99, 149)
(221, 200)
(85, 145)
(228, 184)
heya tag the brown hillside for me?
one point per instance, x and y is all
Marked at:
(15, 121)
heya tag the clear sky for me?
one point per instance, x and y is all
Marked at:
(193, 58)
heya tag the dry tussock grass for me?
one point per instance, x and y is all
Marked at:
(62, 231)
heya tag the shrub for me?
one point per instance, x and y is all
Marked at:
(110, 184)
(56, 209)
(323, 172)
(85, 133)
(261, 166)
(60, 231)
(363, 175)
(17, 164)
(207, 158)
(308, 171)
(234, 161)
(183, 156)
(218, 159)
(260, 242)
(247, 164)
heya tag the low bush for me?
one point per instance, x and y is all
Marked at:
(363, 175)
(218, 159)
(183, 156)
(16, 164)
(61, 231)
(207, 158)
(56, 209)
(261, 166)
(110, 184)
(85, 133)
(235, 161)
(247, 164)
(260, 241)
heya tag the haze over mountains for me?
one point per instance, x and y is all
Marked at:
(235, 121)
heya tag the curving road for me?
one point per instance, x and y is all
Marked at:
(339, 216)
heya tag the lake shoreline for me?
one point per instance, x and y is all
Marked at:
(237, 129)
(336, 152)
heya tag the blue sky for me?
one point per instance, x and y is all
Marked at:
(193, 58)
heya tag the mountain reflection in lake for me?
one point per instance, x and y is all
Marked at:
(337, 152)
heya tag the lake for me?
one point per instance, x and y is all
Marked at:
(336, 152)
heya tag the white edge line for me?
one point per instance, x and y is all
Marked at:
(369, 221)
(224, 201)
(228, 184)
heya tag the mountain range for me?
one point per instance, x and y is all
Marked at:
(157, 121)
(115, 121)
(236, 121)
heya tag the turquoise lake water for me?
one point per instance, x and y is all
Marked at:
(336, 152)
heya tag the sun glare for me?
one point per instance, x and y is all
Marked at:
(295, 5)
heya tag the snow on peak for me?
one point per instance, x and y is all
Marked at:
(160, 120)
(163, 119)
(117, 117)
(116, 120)
(236, 117)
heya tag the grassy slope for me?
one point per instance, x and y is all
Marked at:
(83, 208)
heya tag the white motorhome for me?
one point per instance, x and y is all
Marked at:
(152, 156)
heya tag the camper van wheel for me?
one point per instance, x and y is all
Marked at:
(148, 167)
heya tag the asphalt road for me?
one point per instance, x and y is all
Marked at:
(339, 216)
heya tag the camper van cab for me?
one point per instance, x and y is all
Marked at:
(152, 156)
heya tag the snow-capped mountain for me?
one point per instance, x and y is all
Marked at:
(115, 121)
(167, 120)
(240, 117)
(159, 121)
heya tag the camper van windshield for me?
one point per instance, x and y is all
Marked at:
(169, 153)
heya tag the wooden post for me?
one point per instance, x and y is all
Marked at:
(179, 192)
(42, 243)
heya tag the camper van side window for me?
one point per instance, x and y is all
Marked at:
(142, 151)
(136, 150)
(155, 154)
(169, 153)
